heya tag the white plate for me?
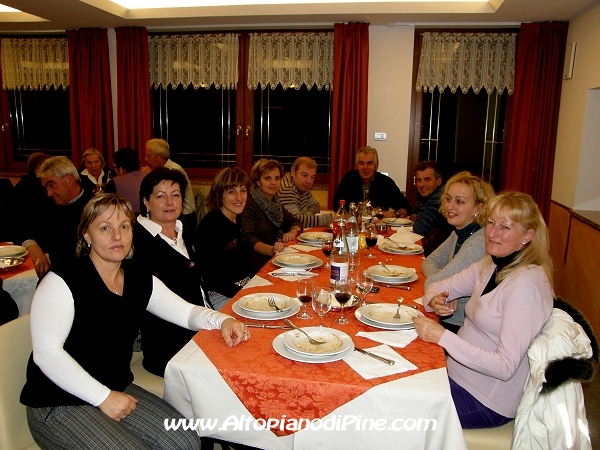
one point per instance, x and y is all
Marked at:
(266, 316)
(335, 341)
(313, 236)
(317, 263)
(259, 303)
(415, 277)
(400, 249)
(383, 313)
(12, 250)
(397, 222)
(378, 273)
(361, 318)
(295, 259)
(280, 348)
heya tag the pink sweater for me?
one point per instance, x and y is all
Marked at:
(488, 356)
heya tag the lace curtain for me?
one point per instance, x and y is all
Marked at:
(35, 63)
(467, 60)
(201, 60)
(291, 59)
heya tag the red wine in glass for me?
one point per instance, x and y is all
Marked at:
(326, 247)
(371, 242)
(305, 298)
(342, 297)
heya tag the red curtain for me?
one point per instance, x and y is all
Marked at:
(133, 91)
(349, 98)
(5, 134)
(530, 142)
(91, 102)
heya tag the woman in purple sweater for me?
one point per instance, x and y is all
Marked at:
(511, 299)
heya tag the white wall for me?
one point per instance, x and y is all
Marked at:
(577, 165)
(390, 88)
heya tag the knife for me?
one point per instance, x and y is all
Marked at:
(264, 325)
(389, 362)
(396, 286)
(293, 274)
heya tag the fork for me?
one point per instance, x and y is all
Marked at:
(311, 340)
(272, 304)
(397, 315)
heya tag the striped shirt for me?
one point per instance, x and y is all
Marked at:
(302, 205)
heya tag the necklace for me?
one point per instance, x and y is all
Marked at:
(118, 281)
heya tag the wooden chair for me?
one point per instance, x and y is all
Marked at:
(15, 337)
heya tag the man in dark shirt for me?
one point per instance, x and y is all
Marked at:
(428, 221)
(383, 191)
(55, 230)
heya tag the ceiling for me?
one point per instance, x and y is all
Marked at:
(54, 16)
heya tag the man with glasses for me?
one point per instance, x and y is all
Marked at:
(383, 191)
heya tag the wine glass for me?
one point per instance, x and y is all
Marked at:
(364, 284)
(326, 247)
(342, 295)
(353, 264)
(321, 304)
(304, 292)
(371, 239)
(379, 213)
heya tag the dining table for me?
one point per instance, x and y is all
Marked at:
(20, 282)
(254, 396)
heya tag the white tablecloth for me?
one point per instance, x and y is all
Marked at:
(21, 287)
(195, 388)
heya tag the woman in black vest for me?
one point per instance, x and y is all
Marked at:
(84, 318)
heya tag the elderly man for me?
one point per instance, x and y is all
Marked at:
(55, 231)
(296, 197)
(428, 221)
(157, 155)
(383, 191)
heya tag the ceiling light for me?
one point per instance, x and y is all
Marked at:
(4, 9)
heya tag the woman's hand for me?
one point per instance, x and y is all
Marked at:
(118, 405)
(40, 261)
(441, 308)
(428, 330)
(234, 332)
(278, 247)
(289, 236)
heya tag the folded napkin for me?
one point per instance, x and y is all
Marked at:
(257, 281)
(403, 236)
(368, 367)
(306, 247)
(418, 301)
(400, 338)
(290, 274)
(288, 250)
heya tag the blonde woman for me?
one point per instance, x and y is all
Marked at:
(464, 204)
(511, 299)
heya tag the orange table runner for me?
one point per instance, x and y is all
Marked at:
(271, 386)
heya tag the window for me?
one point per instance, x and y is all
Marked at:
(208, 129)
(40, 122)
(464, 132)
(291, 123)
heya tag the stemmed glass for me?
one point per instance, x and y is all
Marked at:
(326, 247)
(364, 284)
(305, 293)
(371, 239)
(342, 295)
(321, 304)
(379, 213)
(353, 264)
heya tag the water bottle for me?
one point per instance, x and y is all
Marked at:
(352, 230)
(339, 259)
(339, 216)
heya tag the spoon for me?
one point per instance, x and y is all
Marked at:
(311, 340)
(386, 268)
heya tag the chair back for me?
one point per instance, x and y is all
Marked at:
(15, 348)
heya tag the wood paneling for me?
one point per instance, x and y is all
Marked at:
(575, 250)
